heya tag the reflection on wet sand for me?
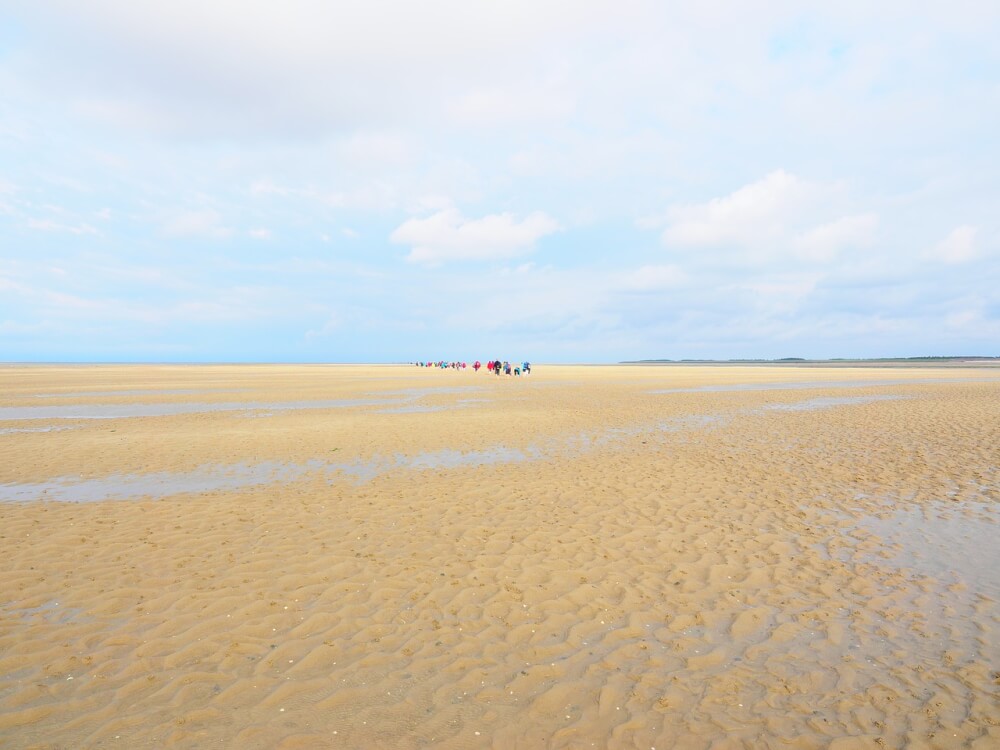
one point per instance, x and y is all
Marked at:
(814, 385)
(958, 542)
(404, 400)
(826, 402)
(237, 476)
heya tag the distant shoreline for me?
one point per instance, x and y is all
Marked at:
(967, 361)
(970, 361)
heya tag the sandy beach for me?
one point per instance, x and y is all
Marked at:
(398, 557)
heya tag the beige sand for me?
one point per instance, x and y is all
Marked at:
(566, 560)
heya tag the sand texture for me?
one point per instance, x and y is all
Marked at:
(395, 557)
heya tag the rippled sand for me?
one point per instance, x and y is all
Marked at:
(393, 557)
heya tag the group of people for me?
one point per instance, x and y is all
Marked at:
(495, 366)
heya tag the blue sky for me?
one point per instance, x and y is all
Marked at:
(562, 181)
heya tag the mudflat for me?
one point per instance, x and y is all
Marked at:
(400, 557)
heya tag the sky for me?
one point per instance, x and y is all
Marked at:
(559, 181)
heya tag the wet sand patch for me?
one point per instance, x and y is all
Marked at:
(826, 402)
(815, 384)
(956, 541)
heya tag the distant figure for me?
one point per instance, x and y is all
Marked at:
(476, 365)
(527, 368)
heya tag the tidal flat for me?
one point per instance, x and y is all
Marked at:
(279, 556)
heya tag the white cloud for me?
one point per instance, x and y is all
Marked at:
(345, 120)
(824, 242)
(47, 225)
(482, 107)
(781, 218)
(753, 214)
(958, 247)
(375, 195)
(652, 278)
(207, 68)
(125, 113)
(205, 223)
(376, 147)
(260, 234)
(430, 202)
(267, 187)
(538, 300)
(8, 285)
(779, 294)
(963, 318)
(333, 324)
(447, 235)
(371, 195)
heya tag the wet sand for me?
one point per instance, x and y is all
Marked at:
(394, 557)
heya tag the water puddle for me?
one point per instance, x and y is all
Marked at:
(452, 459)
(133, 392)
(154, 484)
(48, 428)
(806, 385)
(237, 476)
(123, 411)
(692, 421)
(826, 402)
(955, 541)
(52, 612)
(241, 476)
(431, 391)
(462, 403)
(401, 401)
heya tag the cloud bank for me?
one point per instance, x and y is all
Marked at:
(447, 236)
(316, 181)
